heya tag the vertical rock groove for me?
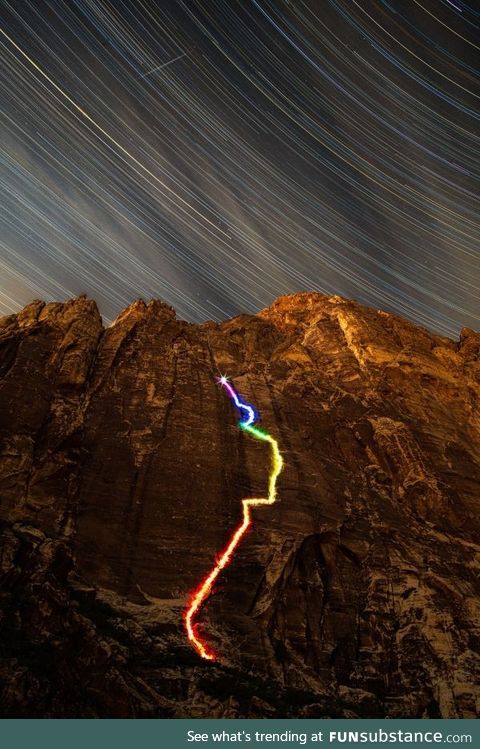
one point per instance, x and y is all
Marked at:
(122, 473)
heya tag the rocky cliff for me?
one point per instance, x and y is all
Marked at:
(122, 471)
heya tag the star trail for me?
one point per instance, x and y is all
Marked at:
(216, 155)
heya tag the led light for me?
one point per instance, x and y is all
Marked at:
(204, 589)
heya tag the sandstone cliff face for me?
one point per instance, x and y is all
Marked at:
(121, 474)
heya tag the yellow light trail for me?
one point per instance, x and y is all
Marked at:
(203, 591)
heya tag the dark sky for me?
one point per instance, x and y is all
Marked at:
(218, 154)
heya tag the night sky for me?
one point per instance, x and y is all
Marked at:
(219, 154)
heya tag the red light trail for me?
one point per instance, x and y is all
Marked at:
(204, 589)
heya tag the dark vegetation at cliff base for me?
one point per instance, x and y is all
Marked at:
(121, 475)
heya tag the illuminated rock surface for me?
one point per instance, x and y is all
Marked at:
(122, 471)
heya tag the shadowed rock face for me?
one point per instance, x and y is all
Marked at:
(121, 474)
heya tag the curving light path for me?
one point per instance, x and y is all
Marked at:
(205, 587)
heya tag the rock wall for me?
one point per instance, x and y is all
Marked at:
(121, 474)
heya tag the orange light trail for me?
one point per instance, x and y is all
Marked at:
(204, 589)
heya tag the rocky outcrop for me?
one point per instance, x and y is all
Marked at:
(121, 476)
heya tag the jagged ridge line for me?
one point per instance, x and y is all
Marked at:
(204, 589)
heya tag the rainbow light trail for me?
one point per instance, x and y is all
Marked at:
(205, 587)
